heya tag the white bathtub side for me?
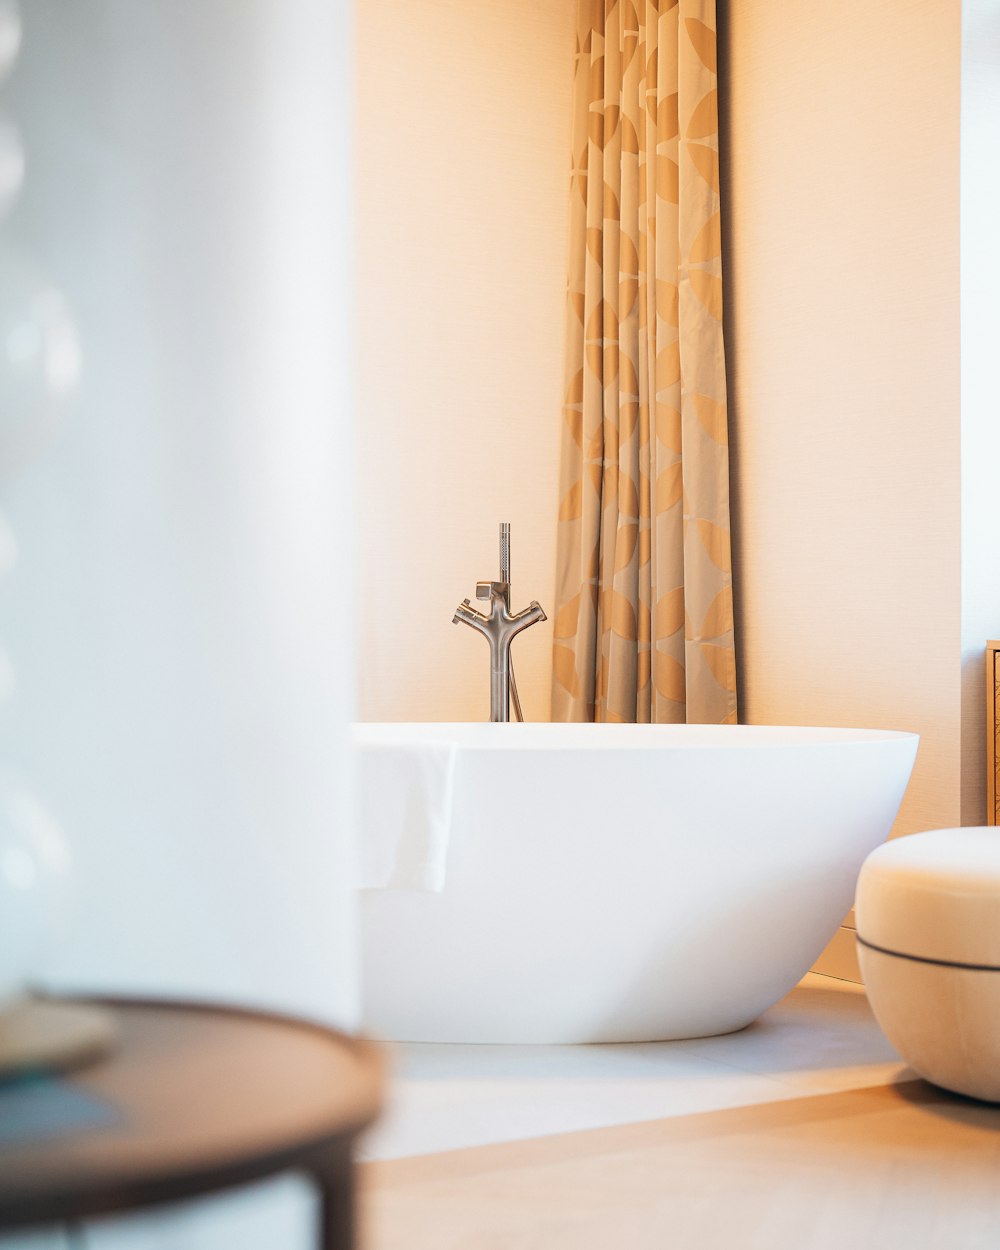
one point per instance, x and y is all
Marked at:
(597, 893)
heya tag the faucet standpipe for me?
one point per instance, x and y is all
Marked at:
(499, 627)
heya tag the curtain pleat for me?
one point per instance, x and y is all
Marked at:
(644, 621)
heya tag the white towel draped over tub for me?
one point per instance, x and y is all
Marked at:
(404, 803)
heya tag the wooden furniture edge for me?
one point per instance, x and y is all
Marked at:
(325, 1156)
(992, 647)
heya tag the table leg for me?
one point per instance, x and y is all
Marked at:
(335, 1181)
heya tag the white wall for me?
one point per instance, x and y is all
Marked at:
(463, 163)
(177, 620)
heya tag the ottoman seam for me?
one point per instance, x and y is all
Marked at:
(927, 959)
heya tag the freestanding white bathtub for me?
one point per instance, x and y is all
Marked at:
(627, 882)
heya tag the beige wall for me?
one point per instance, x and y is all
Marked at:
(843, 282)
(842, 209)
(980, 426)
(463, 136)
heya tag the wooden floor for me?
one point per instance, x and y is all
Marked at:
(892, 1167)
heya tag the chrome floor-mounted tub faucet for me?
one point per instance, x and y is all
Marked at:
(500, 627)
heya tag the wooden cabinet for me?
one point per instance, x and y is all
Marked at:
(992, 731)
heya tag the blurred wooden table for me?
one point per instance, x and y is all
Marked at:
(197, 1098)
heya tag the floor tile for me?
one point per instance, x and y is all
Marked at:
(822, 1037)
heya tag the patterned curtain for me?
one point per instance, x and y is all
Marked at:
(644, 628)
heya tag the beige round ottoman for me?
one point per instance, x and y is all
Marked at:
(928, 916)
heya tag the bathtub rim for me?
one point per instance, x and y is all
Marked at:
(556, 735)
